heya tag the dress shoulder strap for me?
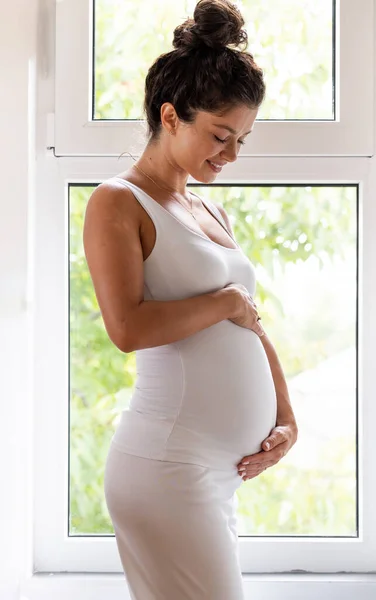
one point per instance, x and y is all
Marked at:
(144, 199)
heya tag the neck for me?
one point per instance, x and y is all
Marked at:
(157, 162)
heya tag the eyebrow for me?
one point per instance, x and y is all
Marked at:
(230, 129)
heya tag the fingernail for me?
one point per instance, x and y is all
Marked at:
(267, 445)
(242, 469)
(246, 463)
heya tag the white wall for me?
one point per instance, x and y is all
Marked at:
(17, 99)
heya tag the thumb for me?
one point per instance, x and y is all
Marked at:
(268, 444)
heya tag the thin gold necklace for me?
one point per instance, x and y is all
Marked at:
(165, 190)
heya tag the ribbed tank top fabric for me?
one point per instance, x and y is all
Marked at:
(208, 399)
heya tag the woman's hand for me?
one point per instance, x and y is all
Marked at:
(280, 440)
(246, 313)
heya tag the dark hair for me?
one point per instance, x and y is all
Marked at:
(203, 72)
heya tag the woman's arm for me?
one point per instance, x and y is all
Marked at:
(114, 256)
(285, 414)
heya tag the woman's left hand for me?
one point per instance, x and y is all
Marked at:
(281, 438)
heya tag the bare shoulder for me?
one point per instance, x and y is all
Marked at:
(225, 217)
(113, 201)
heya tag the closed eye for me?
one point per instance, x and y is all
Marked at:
(224, 141)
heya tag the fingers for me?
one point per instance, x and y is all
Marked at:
(278, 437)
(259, 330)
(251, 471)
(262, 457)
(249, 468)
(254, 468)
(254, 464)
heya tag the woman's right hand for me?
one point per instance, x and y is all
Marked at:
(246, 312)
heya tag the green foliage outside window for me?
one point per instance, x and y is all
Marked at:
(268, 223)
(292, 41)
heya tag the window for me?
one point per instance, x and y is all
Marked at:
(306, 49)
(295, 42)
(304, 241)
(299, 197)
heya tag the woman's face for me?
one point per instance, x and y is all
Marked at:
(211, 139)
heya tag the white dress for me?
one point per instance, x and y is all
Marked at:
(199, 405)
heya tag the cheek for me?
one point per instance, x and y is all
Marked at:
(198, 149)
(208, 150)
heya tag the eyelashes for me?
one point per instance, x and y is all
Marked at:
(224, 141)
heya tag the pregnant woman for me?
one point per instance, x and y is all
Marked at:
(173, 285)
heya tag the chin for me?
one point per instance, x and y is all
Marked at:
(203, 176)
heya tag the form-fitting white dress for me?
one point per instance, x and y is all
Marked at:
(199, 405)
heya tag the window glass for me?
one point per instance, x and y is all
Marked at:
(302, 241)
(292, 41)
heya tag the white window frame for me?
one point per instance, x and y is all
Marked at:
(277, 568)
(54, 550)
(350, 135)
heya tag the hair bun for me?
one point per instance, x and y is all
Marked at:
(215, 23)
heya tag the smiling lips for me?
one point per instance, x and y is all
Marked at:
(215, 166)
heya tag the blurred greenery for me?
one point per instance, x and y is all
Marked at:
(292, 41)
(276, 227)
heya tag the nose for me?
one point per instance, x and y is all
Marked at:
(230, 153)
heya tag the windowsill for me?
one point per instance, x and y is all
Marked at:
(282, 586)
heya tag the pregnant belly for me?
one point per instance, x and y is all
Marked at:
(229, 395)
